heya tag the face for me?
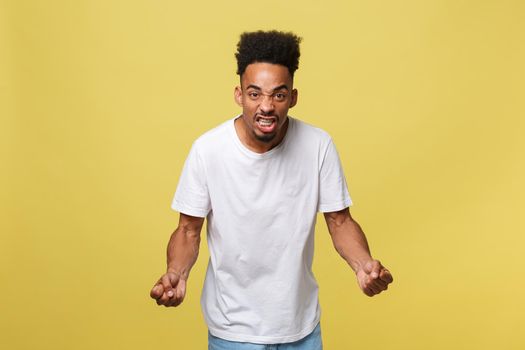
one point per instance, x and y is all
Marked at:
(265, 95)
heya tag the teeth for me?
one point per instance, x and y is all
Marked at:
(265, 122)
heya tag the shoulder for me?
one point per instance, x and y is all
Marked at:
(214, 138)
(310, 134)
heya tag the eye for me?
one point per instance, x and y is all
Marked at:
(253, 95)
(280, 96)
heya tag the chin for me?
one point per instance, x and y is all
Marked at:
(265, 138)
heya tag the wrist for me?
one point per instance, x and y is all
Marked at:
(359, 263)
(180, 272)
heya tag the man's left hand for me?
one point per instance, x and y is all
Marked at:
(373, 278)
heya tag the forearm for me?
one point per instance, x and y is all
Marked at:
(183, 250)
(350, 241)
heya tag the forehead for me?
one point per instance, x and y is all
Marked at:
(266, 75)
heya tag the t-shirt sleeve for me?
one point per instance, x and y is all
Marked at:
(333, 191)
(192, 197)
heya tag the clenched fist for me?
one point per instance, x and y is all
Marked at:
(169, 290)
(373, 278)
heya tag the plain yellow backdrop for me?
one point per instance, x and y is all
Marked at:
(100, 101)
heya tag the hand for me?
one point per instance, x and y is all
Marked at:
(169, 290)
(373, 278)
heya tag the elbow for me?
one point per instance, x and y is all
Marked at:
(188, 230)
(337, 220)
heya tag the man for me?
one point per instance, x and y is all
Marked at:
(259, 179)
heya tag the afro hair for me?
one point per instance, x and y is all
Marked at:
(268, 46)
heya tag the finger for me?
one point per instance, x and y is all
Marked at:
(180, 291)
(379, 285)
(366, 285)
(374, 285)
(171, 302)
(368, 267)
(175, 301)
(372, 268)
(374, 288)
(163, 300)
(156, 291)
(368, 292)
(167, 284)
(386, 276)
(376, 269)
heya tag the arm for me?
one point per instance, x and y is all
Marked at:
(182, 253)
(350, 242)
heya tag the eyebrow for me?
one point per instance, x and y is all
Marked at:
(275, 89)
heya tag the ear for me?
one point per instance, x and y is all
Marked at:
(293, 102)
(237, 94)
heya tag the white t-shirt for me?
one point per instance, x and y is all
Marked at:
(261, 211)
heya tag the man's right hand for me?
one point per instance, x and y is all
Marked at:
(169, 290)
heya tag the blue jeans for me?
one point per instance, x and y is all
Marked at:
(311, 342)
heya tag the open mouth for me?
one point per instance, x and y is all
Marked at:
(266, 124)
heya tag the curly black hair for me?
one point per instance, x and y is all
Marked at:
(271, 46)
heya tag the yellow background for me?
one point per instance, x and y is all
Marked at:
(100, 101)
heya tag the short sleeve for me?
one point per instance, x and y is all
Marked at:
(192, 197)
(333, 191)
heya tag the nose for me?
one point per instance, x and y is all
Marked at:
(266, 105)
